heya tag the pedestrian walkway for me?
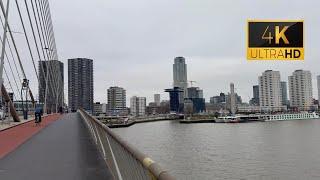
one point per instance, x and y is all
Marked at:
(64, 150)
(8, 122)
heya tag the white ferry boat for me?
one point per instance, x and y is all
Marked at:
(285, 117)
(228, 119)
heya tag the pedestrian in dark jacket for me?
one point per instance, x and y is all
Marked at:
(38, 113)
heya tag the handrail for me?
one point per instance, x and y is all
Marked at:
(120, 151)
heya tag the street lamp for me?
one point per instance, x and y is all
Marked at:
(25, 87)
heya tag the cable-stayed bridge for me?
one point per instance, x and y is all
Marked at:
(64, 146)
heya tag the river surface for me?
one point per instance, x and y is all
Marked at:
(260, 150)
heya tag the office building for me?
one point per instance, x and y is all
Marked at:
(194, 96)
(176, 104)
(180, 73)
(97, 109)
(233, 107)
(157, 99)
(117, 100)
(300, 90)
(218, 99)
(284, 93)
(180, 79)
(194, 92)
(270, 98)
(138, 106)
(51, 73)
(80, 84)
(255, 100)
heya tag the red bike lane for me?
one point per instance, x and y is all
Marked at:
(13, 137)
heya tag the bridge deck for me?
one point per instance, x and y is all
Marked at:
(63, 150)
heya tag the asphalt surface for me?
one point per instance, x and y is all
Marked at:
(62, 151)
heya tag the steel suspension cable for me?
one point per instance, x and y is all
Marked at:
(11, 52)
(40, 27)
(14, 43)
(6, 74)
(27, 39)
(42, 43)
(36, 44)
(7, 58)
(53, 46)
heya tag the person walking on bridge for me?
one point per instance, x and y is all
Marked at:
(38, 113)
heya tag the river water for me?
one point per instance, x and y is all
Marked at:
(260, 150)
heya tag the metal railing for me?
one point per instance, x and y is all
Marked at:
(124, 161)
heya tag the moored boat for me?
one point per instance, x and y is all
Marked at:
(291, 116)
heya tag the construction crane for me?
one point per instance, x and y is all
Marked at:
(192, 82)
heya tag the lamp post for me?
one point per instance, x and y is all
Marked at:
(25, 87)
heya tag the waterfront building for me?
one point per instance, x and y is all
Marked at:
(255, 100)
(55, 81)
(195, 96)
(80, 84)
(218, 99)
(300, 90)
(117, 100)
(176, 104)
(157, 99)
(270, 97)
(284, 93)
(164, 107)
(199, 105)
(188, 107)
(97, 108)
(152, 109)
(137, 106)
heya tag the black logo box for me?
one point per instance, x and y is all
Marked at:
(294, 34)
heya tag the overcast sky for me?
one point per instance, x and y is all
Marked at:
(133, 42)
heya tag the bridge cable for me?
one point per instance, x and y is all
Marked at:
(42, 39)
(48, 35)
(48, 48)
(6, 74)
(37, 47)
(11, 52)
(27, 40)
(52, 37)
(13, 75)
(45, 55)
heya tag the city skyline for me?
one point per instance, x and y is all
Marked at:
(146, 47)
